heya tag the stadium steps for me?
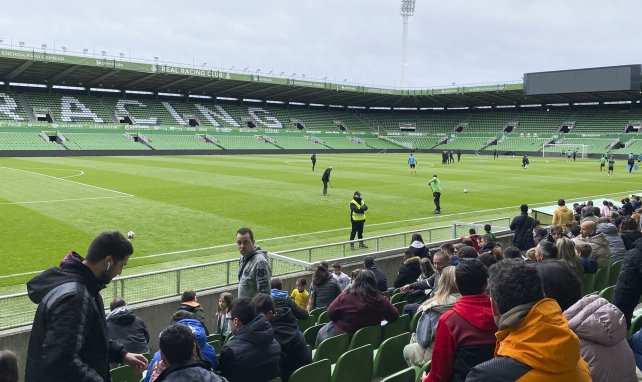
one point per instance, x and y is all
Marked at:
(108, 110)
(22, 100)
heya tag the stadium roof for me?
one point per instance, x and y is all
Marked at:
(22, 66)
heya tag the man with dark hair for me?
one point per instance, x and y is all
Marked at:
(191, 304)
(358, 210)
(382, 279)
(127, 328)
(342, 278)
(325, 178)
(178, 349)
(253, 354)
(449, 250)
(313, 158)
(69, 335)
(560, 282)
(562, 214)
(435, 186)
(513, 253)
(467, 252)
(534, 341)
(254, 271)
(465, 335)
(522, 227)
(545, 250)
(293, 346)
(281, 299)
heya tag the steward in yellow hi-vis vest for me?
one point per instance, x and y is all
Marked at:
(358, 210)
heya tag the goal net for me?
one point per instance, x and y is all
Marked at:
(564, 150)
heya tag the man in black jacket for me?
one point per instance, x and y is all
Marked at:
(69, 336)
(127, 328)
(522, 226)
(325, 178)
(382, 279)
(294, 351)
(629, 284)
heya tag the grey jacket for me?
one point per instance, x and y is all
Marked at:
(254, 274)
(616, 244)
(600, 248)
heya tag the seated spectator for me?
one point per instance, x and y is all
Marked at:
(486, 244)
(341, 277)
(363, 305)
(190, 304)
(598, 241)
(299, 294)
(534, 341)
(294, 350)
(566, 254)
(589, 215)
(530, 257)
(418, 247)
(180, 353)
(419, 352)
(540, 235)
(223, 315)
(487, 231)
(474, 239)
(409, 271)
(629, 285)
(465, 335)
(522, 227)
(353, 274)
(449, 249)
(431, 283)
(487, 258)
(467, 252)
(127, 328)
(282, 300)
(512, 253)
(8, 366)
(545, 251)
(206, 351)
(427, 269)
(326, 289)
(253, 354)
(573, 231)
(630, 232)
(556, 233)
(498, 251)
(601, 328)
(559, 283)
(583, 252)
(382, 280)
(616, 244)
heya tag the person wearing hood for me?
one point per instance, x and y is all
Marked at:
(254, 271)
(562, 214)
(68, 339)
(253, 354)
(630, 232)
(191, 304)
(358, 210)
(360, 306)
(409, 271)
(180, 353)
(465, 335)
(601, 328)
(127, 328)
(325, 289)
(206, 353)
(281, 299)
(418, 247)
(522, 226)
(616, 244)
(600, 251)
(294, 349)
(534, 342)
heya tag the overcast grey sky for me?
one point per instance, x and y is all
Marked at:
(465, 41)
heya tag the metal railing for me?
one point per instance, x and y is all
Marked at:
(18, 310)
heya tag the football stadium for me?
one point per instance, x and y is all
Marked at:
(178, 157)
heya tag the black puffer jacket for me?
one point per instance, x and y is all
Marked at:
(294, 350)
(69, 336)
(408, 272)
(523, 225)
(325, 293)
(629, 284)
(189, 372)
(127, 328)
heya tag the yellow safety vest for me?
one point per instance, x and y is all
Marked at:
(357, 216)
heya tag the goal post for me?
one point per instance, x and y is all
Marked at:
(563, 149)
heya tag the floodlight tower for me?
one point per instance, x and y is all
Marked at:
(407, 10)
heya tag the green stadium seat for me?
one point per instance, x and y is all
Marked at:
(354, 365)
(396, 298)
(124, 373)
(317, 311)
(405, 375)
(614, 272)
(331, 348)
(392, 329)
(415, 321)
(636, 325)
(389, 357)
(310, 334)
(369, 335)
(308, 322)
(608, 293)
(323, 318)
(588, 283)
(315, 372)
(601, 278)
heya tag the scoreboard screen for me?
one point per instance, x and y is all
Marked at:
(606, 79)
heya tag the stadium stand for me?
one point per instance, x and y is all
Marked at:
(101, 141)
(25, 141)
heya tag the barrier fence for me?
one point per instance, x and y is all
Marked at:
(18, 310)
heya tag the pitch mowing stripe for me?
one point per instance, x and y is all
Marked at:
(68, 200)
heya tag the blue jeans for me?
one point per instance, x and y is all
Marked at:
(636, 344)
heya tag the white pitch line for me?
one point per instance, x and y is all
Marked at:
(79, 172)
(67, 180)
(69, 200)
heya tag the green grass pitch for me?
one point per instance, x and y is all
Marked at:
(180, 203)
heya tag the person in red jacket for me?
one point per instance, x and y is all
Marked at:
(465, 335)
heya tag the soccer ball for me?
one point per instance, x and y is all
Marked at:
(131, 234)
(465, 190)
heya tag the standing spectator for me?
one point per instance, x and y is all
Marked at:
(562, 214)
(566, 254)
(363, 305)
(179, 352)
(522, 226)
(409, 271)
(253, 354)
(8, 366)
(629, 284)
(358, 210)
(299, 294)
(342, 278)
(223, 316)
(69, 335)
(127, 328)
(465, 335)
(599, 244)
(254, 267)
(601, 328)
(534, 342)
(435, 186)
(630, 231)
(326, 289)
(190, 303)
(295, 353)
(382, 280)
(487, 231)
(281, 299)
(325, 178)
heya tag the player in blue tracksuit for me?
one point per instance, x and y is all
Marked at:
(412, 161)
